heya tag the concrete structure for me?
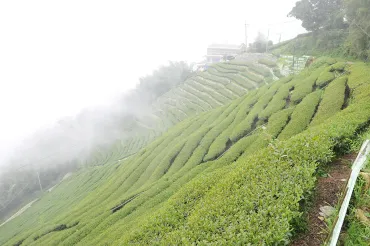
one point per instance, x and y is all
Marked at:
(216, 52)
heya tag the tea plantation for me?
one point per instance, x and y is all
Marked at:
(219, 85)
(234, 167)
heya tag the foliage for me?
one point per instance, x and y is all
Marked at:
(316, 14)
(333, 100)
(260, 44)
(268, 62)
(191, 185)
(325, 78)
(302, 115)
(164, 78)
(358, 40)
(339, 66)
(252, 76)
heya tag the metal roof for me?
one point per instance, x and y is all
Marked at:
(224, 46)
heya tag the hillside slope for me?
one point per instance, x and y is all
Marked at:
(234, 174)
(218, 86)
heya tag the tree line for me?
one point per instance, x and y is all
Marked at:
(351, 16)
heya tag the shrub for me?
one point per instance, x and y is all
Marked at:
(217, 87)
(323, 61)
(220, 69)
(265, 72)
(205, 98)
(333, 100)
(278, 102)
(238, 90)
(303, 88)
(325, 78)
(278, 121)
(302, 115)
(211, 77)
(252, 76)
(267, 62)
(339, 66)
(231, 67)
(249, 122)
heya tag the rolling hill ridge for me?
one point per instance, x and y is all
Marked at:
(233, 172)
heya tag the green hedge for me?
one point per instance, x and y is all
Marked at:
(339, 66)
(278, 102)
(267, 62)
(333, 100)
(211, 77)
(236, 89)
(221, 69)
(217, 87)
(265, 72)
(302, 115)
(252, 76)
(241, 204)
(184, 200)
(278, 121)
(325, 78)
(231, 67)
(246, 125)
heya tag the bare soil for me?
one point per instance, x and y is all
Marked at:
(327, 193)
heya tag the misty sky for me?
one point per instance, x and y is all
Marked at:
(57, 57)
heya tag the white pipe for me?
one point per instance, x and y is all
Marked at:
(356, 168)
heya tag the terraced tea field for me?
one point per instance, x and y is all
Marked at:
(231, 168)
(219, 85)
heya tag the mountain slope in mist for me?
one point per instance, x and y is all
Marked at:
(214, 176)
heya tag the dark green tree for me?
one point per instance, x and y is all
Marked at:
(164, 79)
(259, 44)
(319, 14)
(358, 16)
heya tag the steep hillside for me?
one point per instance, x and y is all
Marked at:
(234, 174)
(218, 86)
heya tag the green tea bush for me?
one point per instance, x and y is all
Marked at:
(248, 194)
(278, 121)
(221, 69)
(325, 78)
(333, 100)
(203, 97)
(231, 67)
(339, 66)
(221, 143)
(278, 102)
(217, 87)
(241, 81)
(237, 90)
(212, 93)
(277, 72)
(265, 72)
(248, 123)
(302, 115)
(252, 76)
(303, 88)
(215, 150)
(216, 79)
(198, 216)
(267, 62)
(323, 61)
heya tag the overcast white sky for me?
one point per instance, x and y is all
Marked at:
(57, 57)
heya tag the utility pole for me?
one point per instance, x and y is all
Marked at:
(267, 41)
(38, 176)
(280, 37)
(246, 36)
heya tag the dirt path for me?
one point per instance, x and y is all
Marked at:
(327, 193)
(21, 211)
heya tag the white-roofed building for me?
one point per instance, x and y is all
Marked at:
(216, 52)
